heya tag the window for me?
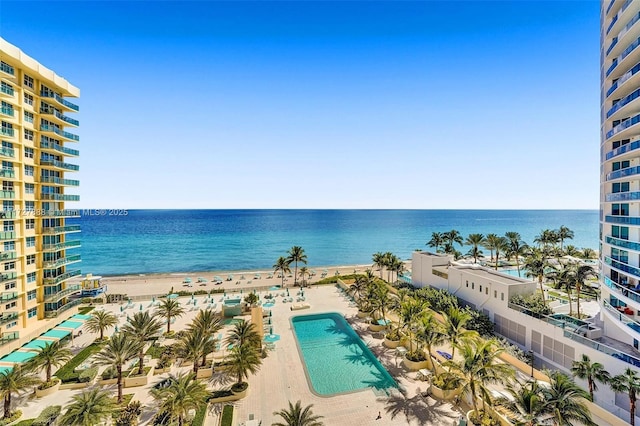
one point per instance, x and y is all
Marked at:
(28, 81)
(28, 170)
(31, 294)
(28, 152)
(30, 224)
(7, 186)
(620, 187)
(473, 286)
(6, 88)
(8, 226)
(28, 99)
(501, 296)
(28, 135)
(28, 117)
(29, 188)
(31, 277)
(9, 266)
(31, 241)
(12, 324)
(32, 312)
(9, 286)
(9, 245)
(10, 305)
(30, 205)
(31, 259)
(495, 294)
(486, 291)
(7, 108)
(480, 288)
(7, 128)
(467, 283)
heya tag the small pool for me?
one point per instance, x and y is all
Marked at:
(514, 273)
(269, 305)
(571, 322)
(232, 302)
(274, 288)
(336, 360)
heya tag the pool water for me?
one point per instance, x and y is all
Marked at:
(336, 360)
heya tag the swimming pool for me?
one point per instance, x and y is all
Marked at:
(336, 360)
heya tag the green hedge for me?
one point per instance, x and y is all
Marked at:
(47, 416)
(155, 351)
(27, 422)
(88, 375)
(66, 373)
(85, 310)
(198, 420)
(227, 416)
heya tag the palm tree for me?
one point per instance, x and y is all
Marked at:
(140, 328)
(168, 309)
(480, 366)
(579, 274)
(547, 238)
(527, 402)
(379, 261)
(475, 241)
(454, 321)
(452, 237)
(359, 287)
(410, 313)
(379, 299)
(297, 416)
(627, 382)
(193, 346)
(242, 360)
(501, 246)
(208, 323)
(53, 354)
(536, 265)
(89, 408)
(562, 276)
(100, 321)
(243, 332)
(297, 254)
(118, 350)
(564, 233)
(489, 243)
(437, 239)
(592, 372)
(184, 393)
(304, 271)
(517, 247)
(565, 401)
(282, 266)
(15, 380)
(430, 333)
(588, 253)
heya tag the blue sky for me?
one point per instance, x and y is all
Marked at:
(326, 104)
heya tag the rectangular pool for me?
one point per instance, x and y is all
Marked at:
(336, 360)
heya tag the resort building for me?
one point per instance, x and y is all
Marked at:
(37, 129)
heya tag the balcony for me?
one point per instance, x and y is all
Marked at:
(7, 90)
(601, 347)
(60, 229)
(7, 195)
(9, 112)
(63, 118)
(56, 312)
(622, 102)
(60, 246)
(8, 214)
(62, 261)
(54, 297)
(623, 318)
(626, 52)
(60, 165)
(7, 131)
(59, 132)
(8, 317)
(7, 173)
(59, 197)
(610, 6)
(7, 152)
(8, 296)
(613, 22)
(622, 267)
(7, 255)
(60, 213)
(621, 290)
(7, 235)
(626, 76)
(61, 278)
(8, 69)
(612, 45)
(622, 196)
(629, 171)
(9, 337)
(60, 100)
(62, 149)
(60, 181)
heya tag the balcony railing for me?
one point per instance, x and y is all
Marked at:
(9, 337)
(624, 319)
(626, 76)
(59, 116)
(56, 312)
(8, 214)
(610, 6)
(622, 266)
(7, 255)
(622, 196)
(60, 100)
(60, 181)
(629, 171)
(60, 164)
(54, 297)
(7, 235)
(59, 197)
(60, 246)
(601, 347)
(61, 229)
(7, 111)
(624, 125)
(613, 22)
(624, 101)
(623, 55)
(63, 261)
(59, 148)
(612, 45)
(7, 152)
(621, 289)
(59, 132)
(7, 90)
(7, 131)
(623, 243)
(6, 297)
(7, 173)
(4, 67)
(61, 278)
(8, 317)
(7, 195)
(627, 27)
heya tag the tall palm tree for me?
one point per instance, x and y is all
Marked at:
(100, 321)
(53, 354)
(118, 350)
(592, 372)
(304, 271)
(536, 265)
(454, 321)
(430, 333)
(243, 332)
(565, 401)
(479, 367)
(517, 247)
(410, 313)
(547, 238)
(282, 266)
(141, 328)
(168, 309)
(379, 261)
(379, 299)
(359, 287)
(90, 408)
(298, 416)
(208, 323)
(16, 380)
(475, 241)
(489, 243)
(242, 360)
(389, 259)
(527, 402)
(297, 254)
(452, 237)
(564, 233)
(502, 246)
(184, 393)
(579, 274)
(588, 253)
(561, 275)
(627, 382)
(437, 239)
(193, 346)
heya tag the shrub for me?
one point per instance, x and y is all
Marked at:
(480, 322)
(447, 381)
(239, 387)
(14, 416)
(416, 356)
(88, 375)
(438, 300)
(47, 416)
(67, 373)
(129, 415)
(27, 422)
(534, 303)
(220, 394)
(198, 419)
(155, 351)
(227, 416)
(393, 335)
(51, 383)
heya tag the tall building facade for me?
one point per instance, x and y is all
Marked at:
(620, 169)
(37, 139)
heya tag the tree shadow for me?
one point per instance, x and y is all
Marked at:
(424, 409)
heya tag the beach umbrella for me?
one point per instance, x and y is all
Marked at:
(121, 308)
(141, 306)
(270, 330)
(240, 291)
(287, 292)
(270, 313)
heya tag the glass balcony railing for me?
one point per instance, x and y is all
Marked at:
(7, 131)
(626, 76)
(620, 289)
(7, 173)
(59, 116)
(8, 296)
(7, 111)
(61, 278)
(59, 132)
(61, 229)
(60, 165)
(4, 67)
(60, 246)
(627, 27)
(60, 100)
(7, 90)
(7, 195)
(7, 255)
(622, 266)
(623, 243)
(60, 181)
(624, 6)
(622, 102)
(59, 148)
(60, 213)
(54, 297)
(629, 171)
(9, 337)
(7, 235)
(610, 6)
(54, 313)
(622, 196)
(8, 317)
(601, 347)
(623, 55)
(59, 197)
(626, 320)
(624, 125)
(612, 45)
(7, 152)
(62, 261)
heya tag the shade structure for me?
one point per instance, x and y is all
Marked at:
(271, 338)
(18, 357)
(172, 296)
(56, 333)
(36, 344)
(70, 324)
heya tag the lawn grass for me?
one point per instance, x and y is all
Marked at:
(198, 420)
(66, 373)
(85, 310)
(227, 416)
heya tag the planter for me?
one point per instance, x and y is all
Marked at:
(362, 314)
(391, 344)
(142, 380)
(157, 371)
(471, 415)
(203, 373)
(445, 395)
(48, 391)
(229, 398)
(416, 365)
(75, 385)
(377, 327)
(106, 382)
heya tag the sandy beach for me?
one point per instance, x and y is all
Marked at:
(156, 284)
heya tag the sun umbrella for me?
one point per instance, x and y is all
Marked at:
(192, 296)
(270, 330)
(141, 306)
(121, 308)
(270, 313)
(287, 292)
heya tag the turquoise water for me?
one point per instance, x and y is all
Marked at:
(514, 273)
(148, 241)
(335, 358)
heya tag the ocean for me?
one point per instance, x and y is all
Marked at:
(164, 241)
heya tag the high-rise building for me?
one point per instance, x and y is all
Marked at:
(37, 138)
(620, 169)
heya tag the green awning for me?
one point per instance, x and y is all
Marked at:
(55, 333)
